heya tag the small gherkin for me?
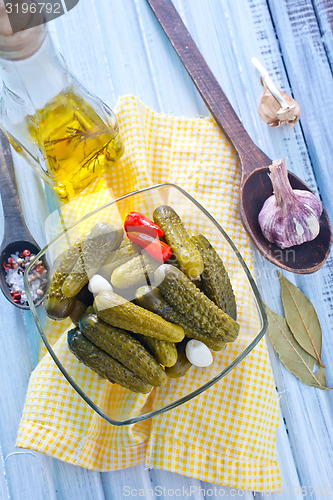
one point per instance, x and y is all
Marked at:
(152, 299)
(102, 239)
(57, 305)
(124, 253)
(177, 237)
(215, 279)
(164, 352)
(103, 364)
(119, 312)
(182, 365)
(123, 347)
(201, 312)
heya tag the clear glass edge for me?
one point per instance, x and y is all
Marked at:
(198, 391)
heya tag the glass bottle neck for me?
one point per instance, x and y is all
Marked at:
(41, 76)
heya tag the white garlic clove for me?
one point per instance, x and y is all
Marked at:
(198, 353)
(98, 284)
(273, 114)
(289, 217)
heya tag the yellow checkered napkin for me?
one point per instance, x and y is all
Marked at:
(226, 435)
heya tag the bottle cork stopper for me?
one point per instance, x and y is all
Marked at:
(24, 43)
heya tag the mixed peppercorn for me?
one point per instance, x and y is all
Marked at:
(15, 267)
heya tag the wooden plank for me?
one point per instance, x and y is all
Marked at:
(72, 482)
(4, 493)
(173, 485)
(128, 483)
(304, 54)
(291, 143)
(324, 13)
(116, 48)
(24, 470)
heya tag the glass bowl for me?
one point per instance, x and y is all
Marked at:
(115, 404)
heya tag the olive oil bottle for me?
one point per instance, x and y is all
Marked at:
(78, 145)
(69, 136)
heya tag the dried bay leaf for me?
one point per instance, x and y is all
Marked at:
(291, 354)
(302, 318)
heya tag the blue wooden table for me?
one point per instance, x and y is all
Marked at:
(116, 47)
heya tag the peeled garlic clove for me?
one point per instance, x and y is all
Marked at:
(198, 353)
(98, 284)
(272, 113)
(289, 217)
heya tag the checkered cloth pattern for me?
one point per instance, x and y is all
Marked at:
(226, 435)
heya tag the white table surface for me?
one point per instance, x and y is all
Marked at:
(116, 47)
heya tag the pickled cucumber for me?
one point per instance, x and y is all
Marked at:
(122, 346)
(103, 364)
(200, 311)
(151, 299)
(182, 364)
(57, 305)
(102, 239)
(65, 262)
(121, 313)
(215, 279)
(78, 310)
(117, 257)
(163, 351)
(135, 272)
(175, 234)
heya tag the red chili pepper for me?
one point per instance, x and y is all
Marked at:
(157, 249)
(26, 253)
(140, 223)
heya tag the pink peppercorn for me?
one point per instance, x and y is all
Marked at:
(16, 297)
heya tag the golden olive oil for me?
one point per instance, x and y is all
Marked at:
(76, 144)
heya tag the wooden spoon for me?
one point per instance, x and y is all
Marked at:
(256, 185)
(17, 237)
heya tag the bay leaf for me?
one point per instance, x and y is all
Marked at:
(291, 354)
(302, 318)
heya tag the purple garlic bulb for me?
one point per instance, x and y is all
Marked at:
(290, 216)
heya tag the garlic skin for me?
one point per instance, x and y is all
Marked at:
(275, 115)
(290, 216)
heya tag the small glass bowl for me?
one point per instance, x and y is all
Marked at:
(115, 404)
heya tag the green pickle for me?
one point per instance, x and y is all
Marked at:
(116, 258)
(102, 239)
(57, 305)
(152, 299)
(121, 345)
(176, 236)
(215, 279)
(139, 343)
(103, 364)
(163, 351)
(78, 310)
(182, 365)
(199, 310)
(121, 313)
(135, 272)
